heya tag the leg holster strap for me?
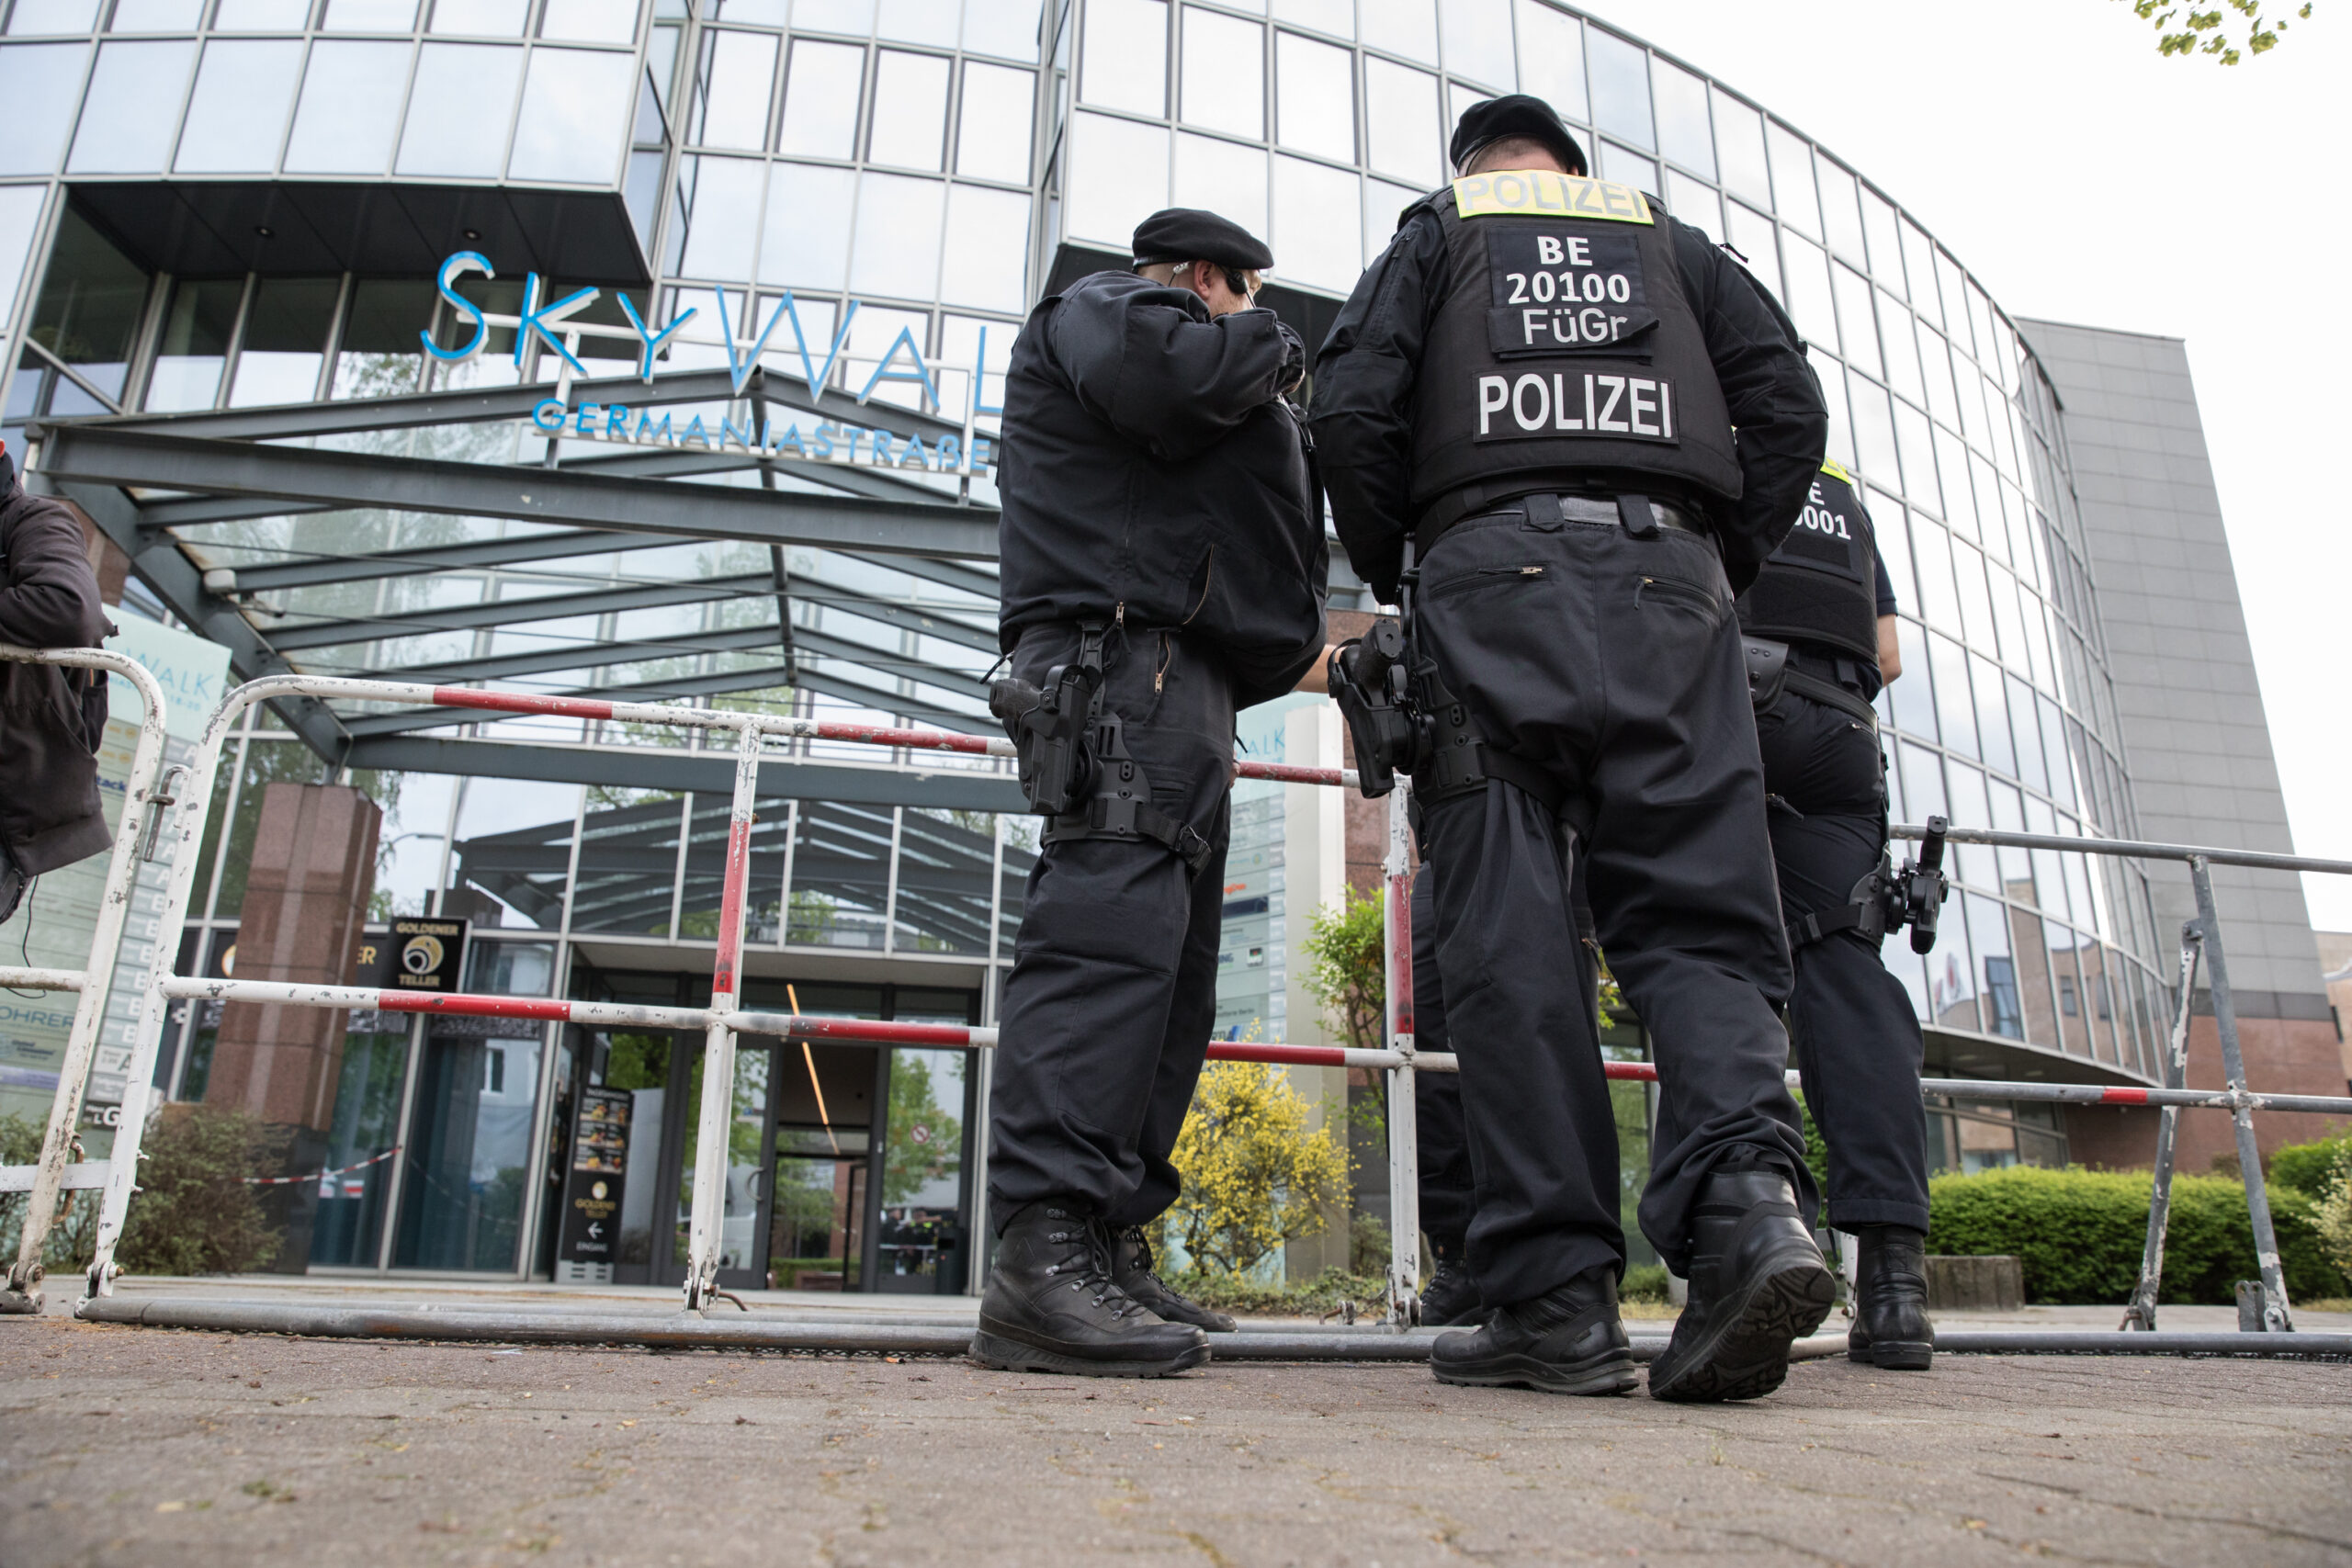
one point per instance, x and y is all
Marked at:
(1865, 913)
(1461, 759)
(1120, 803)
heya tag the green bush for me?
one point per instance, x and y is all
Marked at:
(1318, 1297)
(194, 1212)
(1644, 1283)
(2079, 1232)
(2307, 1167)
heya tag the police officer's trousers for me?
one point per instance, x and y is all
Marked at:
(1857, 1038)
(1614, 663)
(1107, 1012)
(1442, 1143)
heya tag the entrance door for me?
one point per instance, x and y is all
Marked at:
(742, 1264)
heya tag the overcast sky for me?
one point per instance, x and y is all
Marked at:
(2084, 178)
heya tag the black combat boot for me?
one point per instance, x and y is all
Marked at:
(1567, 1340)
(1131, 1266)
(1451, 1296)
(1890, 1327)
(1051, 1306)
(1756, 1284)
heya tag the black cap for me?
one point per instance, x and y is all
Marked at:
(1185, 233)
(1514, 115)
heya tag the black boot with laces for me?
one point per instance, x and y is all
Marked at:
(1567, 1340)
(1890, 1327)
(1053, 1306)
(1451, 1296)
(1131, 1266)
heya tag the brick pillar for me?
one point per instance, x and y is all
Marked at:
(306, 899)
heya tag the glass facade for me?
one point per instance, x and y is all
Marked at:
(839, 182)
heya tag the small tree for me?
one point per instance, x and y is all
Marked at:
(1346, 969)
(2332, 1216)
(194, 1212)
(1255, 1178)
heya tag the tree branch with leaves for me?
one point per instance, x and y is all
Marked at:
(2210, 32)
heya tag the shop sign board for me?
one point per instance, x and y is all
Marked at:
(593, 1187)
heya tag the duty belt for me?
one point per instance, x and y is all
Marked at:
(1639, 515)
(1774, 667)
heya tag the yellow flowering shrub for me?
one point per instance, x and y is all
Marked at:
(1255, 1178)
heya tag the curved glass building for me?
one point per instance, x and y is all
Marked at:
(650, 347)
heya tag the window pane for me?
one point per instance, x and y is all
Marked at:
(132, 106)
(459, 109)
(19, 216)
(1005, 28)
(1621, 89)
(1874, 432)
(1919, 259)
(895, 251)
(262, 15)
(1808, 292)
(987, 250)
(1955, 710)
(1401, 122)
(1854, 316)
(41, 83)
(90, 306)
(992, 141)
(370, 16)
(351, 105)
(237, 117)
(1117, 177)
(194, 345)
(1401, 27)
(284, 342)
(1337, 17)
(820, 98)
(1902, 349)
(1693, 201)
(1551, 58)
(852, 17)
(921, 21)
(590, 21)
(483, 18)
(1315, 99)
(1841, 211)
(155, 16)
(1682, 131)
(1740, 144)
(1125, 64)
(1382, 203)
(1222, 178)
(805, 242)
(1223, 85)
(1318, 225)
(1914, 707)
(723, 221)
(1627, 168)
(1887, 249)
(576, 116)
(738, 78)
(1752, 236)
(1793, 189)
(1892, 539)
(910, 110)
(1477, 41)
(378, 356)
(32, 17)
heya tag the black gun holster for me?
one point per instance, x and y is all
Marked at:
(1886, 900)
(1076, 770)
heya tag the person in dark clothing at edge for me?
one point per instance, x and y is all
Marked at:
(1820, 624)
(1565, 480)
(1163, 566)
(51, 719)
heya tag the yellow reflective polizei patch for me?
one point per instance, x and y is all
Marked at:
(1543, 193)
(1835, 473)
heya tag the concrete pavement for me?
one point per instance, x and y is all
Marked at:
(140, 1446)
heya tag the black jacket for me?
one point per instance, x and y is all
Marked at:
(1153, 473)
(51, 720)
(1363, 382)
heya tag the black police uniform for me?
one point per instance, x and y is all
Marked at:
(1156, 504)
(1858, 1042)
(1536, 383)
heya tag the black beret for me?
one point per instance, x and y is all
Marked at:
(1515, 115)
(1185, 233)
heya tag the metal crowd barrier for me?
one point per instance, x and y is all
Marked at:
(723, 1019)
(57, 1173)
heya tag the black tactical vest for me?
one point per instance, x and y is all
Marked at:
(1563, 354)
(1821, 585)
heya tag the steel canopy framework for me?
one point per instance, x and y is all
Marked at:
(438, 536)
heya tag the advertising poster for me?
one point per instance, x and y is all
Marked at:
(592, 1187)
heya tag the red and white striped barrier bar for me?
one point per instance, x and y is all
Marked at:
(2067, 1093)
(1322, 1056)
(867, 1030)
(41, 979)
(454, 1004)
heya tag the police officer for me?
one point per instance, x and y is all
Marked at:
(1163, 566)
(1532, 391)
(1820, 626)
